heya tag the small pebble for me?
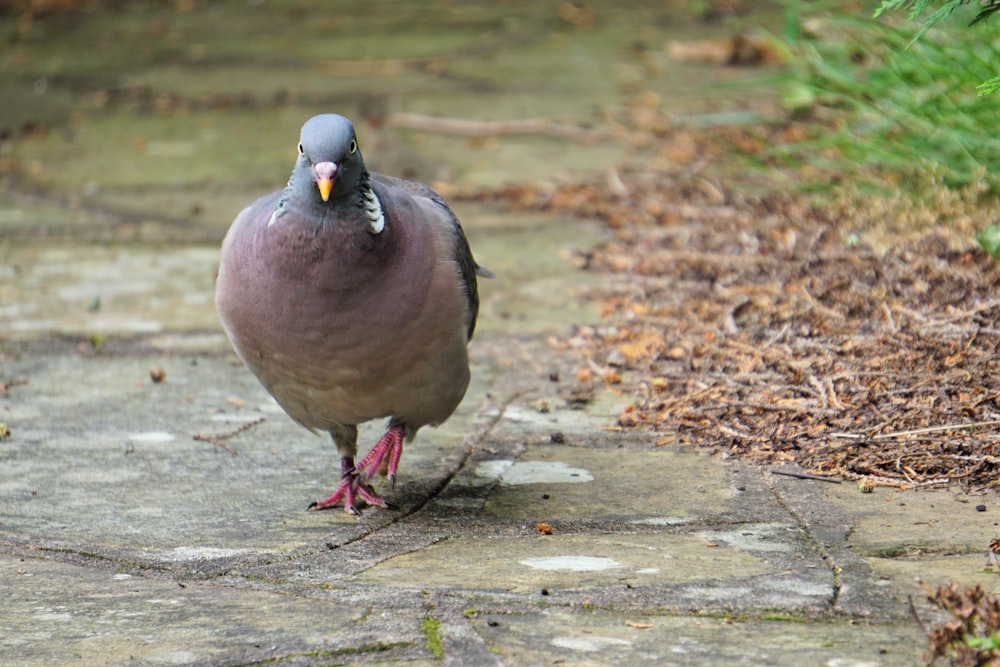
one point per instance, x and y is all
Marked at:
(980, 508)
(557, 438)
(157, 374)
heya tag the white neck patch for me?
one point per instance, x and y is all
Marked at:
(278, 212)
(373, 211)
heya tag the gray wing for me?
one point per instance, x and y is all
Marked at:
(467, 265)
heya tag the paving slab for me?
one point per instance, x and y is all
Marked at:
(606, 639)
(106, 487)
(65, 614)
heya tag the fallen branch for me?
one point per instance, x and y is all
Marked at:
(916, 616)
(217, 439)
(492, 128)
(968, 426)
(804, 475)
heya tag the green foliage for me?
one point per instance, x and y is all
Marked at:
(892, 110)
(988, 8)
(947, 7)
(984, 643)
(989, 86)
(918, 7)
(989, 239)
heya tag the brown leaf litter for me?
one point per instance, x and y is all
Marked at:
(782, 331)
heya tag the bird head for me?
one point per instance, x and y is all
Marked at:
(328, 149)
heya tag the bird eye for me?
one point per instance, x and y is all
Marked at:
(353, 147)
(302, 151)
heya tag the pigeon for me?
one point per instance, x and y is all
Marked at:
(352, 296)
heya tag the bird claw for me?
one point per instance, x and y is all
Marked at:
(384, 456)
(351, 487)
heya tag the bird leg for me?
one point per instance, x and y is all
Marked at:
(351, 486)
(384, 456)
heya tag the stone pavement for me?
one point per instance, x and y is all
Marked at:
(126, 540)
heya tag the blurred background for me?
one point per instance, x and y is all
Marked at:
(132, 133)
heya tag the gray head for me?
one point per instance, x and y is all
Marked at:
(329, 159)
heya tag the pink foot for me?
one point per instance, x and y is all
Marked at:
(351, 487)
(384, 456)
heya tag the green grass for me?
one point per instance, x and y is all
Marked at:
(885, 109)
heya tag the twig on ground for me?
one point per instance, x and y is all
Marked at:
(804, 475)
(217, 439)
(916, 616)
(490, 128)
(967, 426)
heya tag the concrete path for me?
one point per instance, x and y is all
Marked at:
(164, 523)
(124, 540)
(129, 536)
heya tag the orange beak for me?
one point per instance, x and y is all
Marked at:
(324, 185)
(325, 172)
